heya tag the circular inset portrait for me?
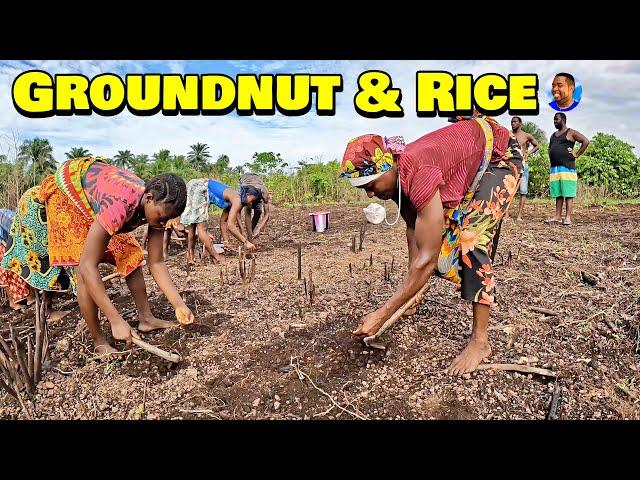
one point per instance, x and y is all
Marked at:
(564, 92)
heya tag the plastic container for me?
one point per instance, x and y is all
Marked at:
(320, 221)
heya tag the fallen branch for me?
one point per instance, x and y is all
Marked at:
(545, 311)
(517, 368)
(416, 299)
(171, 357)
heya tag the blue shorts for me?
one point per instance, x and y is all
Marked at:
(524, 180)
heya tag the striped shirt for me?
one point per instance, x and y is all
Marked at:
(446, 160)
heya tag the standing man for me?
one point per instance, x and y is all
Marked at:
(563, 178)
(524, 139)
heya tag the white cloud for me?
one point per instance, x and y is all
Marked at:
(610, 104)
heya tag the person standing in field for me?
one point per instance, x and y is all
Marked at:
(524, 139)
(563, 176)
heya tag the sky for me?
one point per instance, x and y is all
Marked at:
(610, 102)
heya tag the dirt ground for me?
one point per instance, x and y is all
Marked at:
(269, 353)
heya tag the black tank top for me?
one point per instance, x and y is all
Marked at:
(558, 153)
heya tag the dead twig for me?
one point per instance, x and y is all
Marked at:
(302, 375)
(171, 357)
(517, 368)
(544, 311)
(555, 401)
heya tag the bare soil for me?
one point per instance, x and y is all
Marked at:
(254, 353)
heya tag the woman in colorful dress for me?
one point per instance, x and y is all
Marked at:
(452, 187)
(17, 290)
(82, 216)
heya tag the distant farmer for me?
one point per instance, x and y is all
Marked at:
(466, 173)
(255, 224)
(201, 192)
(563, 178)
(524, 139)
(173, 226)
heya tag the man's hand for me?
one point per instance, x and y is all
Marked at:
(249, 246)
(573, 154)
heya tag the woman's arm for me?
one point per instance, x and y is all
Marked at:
(424, 261)
(94, 248)
(266, 215)
(236, 206)
(160, 274)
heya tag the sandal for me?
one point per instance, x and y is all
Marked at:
(564, 222)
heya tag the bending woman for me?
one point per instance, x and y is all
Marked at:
(202, 192)
(82, 216)
(452, 187)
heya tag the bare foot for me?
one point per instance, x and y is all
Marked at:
(409, 311)
(470, 358)
(150, 323)
(16, 306)
(31, 301)
(103, 349)
(518, 219)
(55, 316)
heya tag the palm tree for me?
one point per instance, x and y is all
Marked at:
(162, 163)
(139, 164)
(37, 156)
(124, 159)
(77, 152)
(535, 130)
(199, 155)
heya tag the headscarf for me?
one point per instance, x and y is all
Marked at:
(369, 156)
(246, 190)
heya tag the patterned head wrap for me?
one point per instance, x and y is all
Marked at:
(369, 156)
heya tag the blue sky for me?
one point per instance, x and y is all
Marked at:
(611, 100)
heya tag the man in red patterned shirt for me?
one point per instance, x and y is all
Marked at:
(429, 179)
